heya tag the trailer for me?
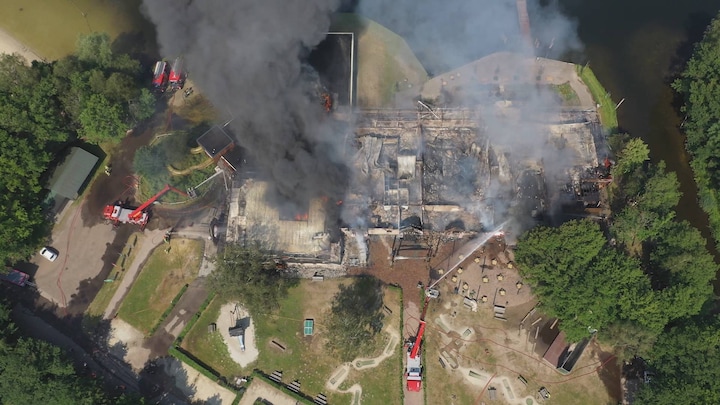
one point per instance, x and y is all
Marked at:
(119, 213)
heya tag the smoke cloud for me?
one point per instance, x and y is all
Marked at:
(247, 56)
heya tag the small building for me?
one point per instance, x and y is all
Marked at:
(216, 142)
(70, 176)
(562, 355)
(558, 350)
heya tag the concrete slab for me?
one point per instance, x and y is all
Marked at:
(81, 251)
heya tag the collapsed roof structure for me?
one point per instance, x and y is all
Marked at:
(420, 175)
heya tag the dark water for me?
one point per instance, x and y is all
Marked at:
(636, 47)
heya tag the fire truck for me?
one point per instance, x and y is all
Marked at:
(160, 76)
(119, 213)
(17, 277)
(413, 372)
(177, 75)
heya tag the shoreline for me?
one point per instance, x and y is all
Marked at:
(10, 45)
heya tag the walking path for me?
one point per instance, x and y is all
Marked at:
(151, 241)
(361, 363)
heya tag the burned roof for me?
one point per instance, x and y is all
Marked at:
(215, 142)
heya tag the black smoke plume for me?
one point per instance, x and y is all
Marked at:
(248, 58)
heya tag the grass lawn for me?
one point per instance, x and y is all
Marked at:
(384, 62)
(567, 94)
(161, 279)
(608, 115)
(383, 384)
(305, 358)
(51, 28)
(97, 307)
(210, 347)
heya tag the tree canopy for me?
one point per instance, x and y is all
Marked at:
(95, 95)
(699, 86)
(654, 270)
(579, 278)
(251, 276)
(686, 363)
(36, 372)
(355, 317)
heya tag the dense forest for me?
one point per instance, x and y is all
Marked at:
(637, 282)
(36, 372)
(93, 96)
(699, 86)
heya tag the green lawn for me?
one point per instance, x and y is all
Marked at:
(210, 347)
(50, 28)
(97, 307)
(567, 94)
(382, 384)
(161, 278)
(305, 358)
(608, 115)
(384, 61)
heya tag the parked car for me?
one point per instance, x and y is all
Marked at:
(49, 253)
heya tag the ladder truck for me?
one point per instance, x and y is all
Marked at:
(119, 213)
(414, 369)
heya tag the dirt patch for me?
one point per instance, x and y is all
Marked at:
(195, 385)
(231, 315)
(126, 343)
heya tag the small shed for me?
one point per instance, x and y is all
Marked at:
(70, 176)
(309, 327)
(216, 142)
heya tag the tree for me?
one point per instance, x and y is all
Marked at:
(355, 318)
(699, 86)
(579, 278)
(629, 339)
(36, 372)
(150, 161)
(251, 276)
(143, 107)
(95, 49)
(686, 361)
(101, 121)
(634, 154)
